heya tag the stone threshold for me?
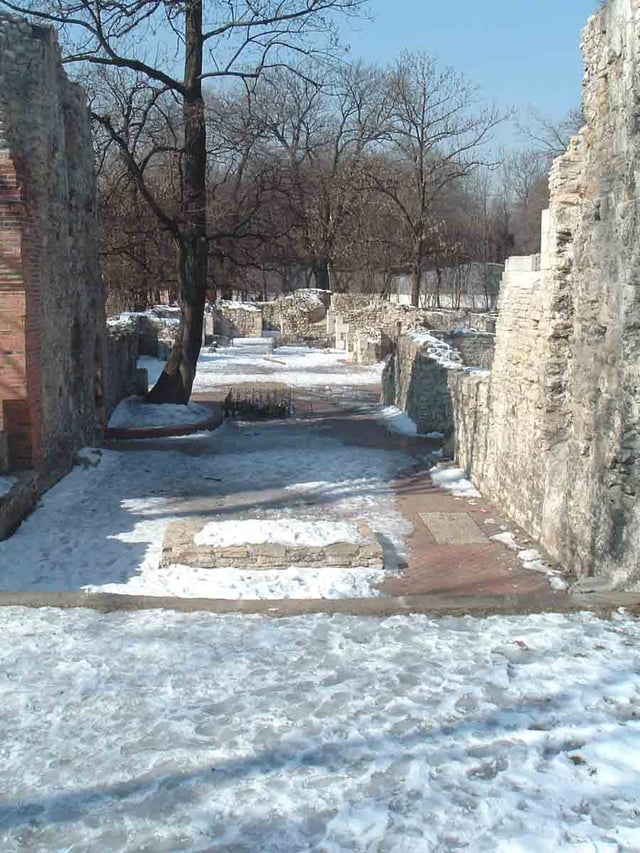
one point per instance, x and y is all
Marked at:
(600, 604)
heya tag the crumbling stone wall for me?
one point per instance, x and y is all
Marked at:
(121, 377)
(300, 314)
(238, 320)
(554, 435)
(476, 348)
(416, 380)
(52, 333)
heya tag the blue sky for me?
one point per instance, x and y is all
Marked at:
(520, 52)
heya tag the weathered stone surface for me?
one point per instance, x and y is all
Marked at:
(417, 383)
(51, 297)
(553, 436)
(179, 547)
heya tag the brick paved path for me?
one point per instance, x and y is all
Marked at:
(441, 564)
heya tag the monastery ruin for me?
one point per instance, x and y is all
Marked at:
(542, 406)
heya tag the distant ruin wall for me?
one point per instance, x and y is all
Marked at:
(554, 435)
(52, 328)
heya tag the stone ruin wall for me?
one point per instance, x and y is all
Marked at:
(553, 435)
(419, 385)
(238, 320)
(52, 327)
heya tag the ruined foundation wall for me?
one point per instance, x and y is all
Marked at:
(553, 436)
(51, 300)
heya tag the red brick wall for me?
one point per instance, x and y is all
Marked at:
(20, 324)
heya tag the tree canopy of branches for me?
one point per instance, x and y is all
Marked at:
(169, 50)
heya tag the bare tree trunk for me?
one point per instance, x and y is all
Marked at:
(176, 380)
(321, 274)
(416, 280)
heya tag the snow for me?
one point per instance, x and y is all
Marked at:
(6, 484)
(164, 731)
(238, 306)
(251, 342)
(507, 538)
(153, 366)
(453, 480)
(222, 534)
(396, 420)
(438, 350)
(299, 367)
(532, 560)
(135, 412)
(101, 528)
(293, 582)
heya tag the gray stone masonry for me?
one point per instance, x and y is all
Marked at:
(179, 547)
(553, 435)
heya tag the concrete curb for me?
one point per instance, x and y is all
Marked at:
(601, 604)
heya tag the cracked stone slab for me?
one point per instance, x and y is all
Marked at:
(179, 547)
(453, 528)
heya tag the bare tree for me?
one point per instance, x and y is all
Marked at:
(210, 41)
(318, 135)
(437, 137)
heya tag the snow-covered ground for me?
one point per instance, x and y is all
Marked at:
(281, 531)
(161, 731)
(299, 367)
(6, 484)
(101, 528)
(454, 480)
(134, 412)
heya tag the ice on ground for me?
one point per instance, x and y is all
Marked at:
(6, 484)
(164, 731)
(454, 480)
(299, 367)
(289, 531)
(135, 412)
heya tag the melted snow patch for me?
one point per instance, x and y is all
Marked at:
(507, 538)
(532, 560)
(134, 412)
(455, 481)
(285, 531)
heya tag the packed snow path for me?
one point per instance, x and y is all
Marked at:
(101, 528)
(161, 731)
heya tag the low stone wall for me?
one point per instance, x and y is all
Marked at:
(238, 320)
(121, 377)
(476, 348)
(179, 547)
(416, 379)
(298, 315)
(483, 322)
(470, 400)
